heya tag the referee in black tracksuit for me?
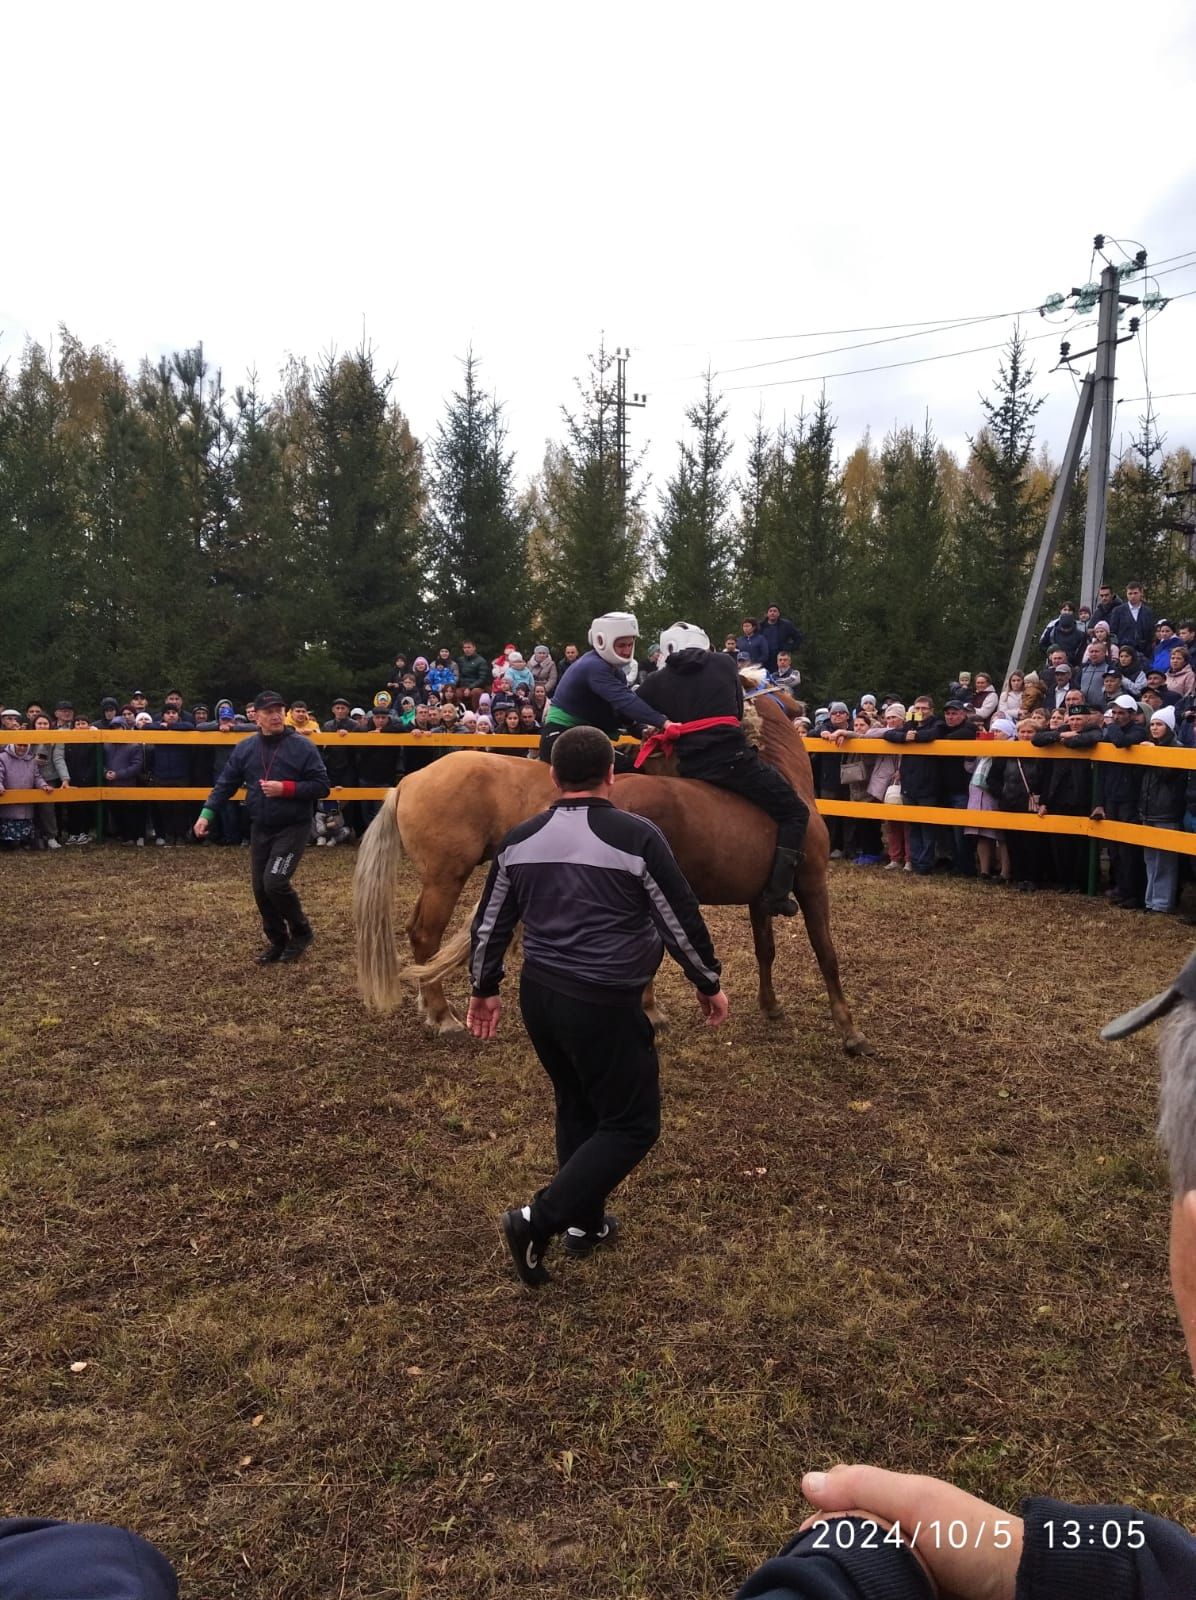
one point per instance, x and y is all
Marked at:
(600, 896)
(283, 776)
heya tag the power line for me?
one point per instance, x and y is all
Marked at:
(888, 366)
(834, 333)
(816, 355)
(1173, 394)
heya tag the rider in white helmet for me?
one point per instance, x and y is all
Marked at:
(694, 684)
(595, 691)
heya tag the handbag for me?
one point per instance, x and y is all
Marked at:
(893, 795)
(853, 770)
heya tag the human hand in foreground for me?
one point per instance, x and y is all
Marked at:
(200, 828)
(482, 1017)
(984, 1568)
(714, 1008)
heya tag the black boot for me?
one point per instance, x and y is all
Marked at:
(778, 896)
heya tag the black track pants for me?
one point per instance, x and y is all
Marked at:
(274, 854)
(605, 1076)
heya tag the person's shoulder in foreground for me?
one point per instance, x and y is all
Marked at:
(45, 1560)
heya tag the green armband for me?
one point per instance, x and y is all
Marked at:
(207, 814)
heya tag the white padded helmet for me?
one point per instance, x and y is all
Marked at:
(606, 629)
(683, 636)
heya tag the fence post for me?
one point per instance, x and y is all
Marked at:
(1093, 846)
(100, 786)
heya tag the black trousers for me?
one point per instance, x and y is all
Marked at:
(745, 774)
(274, 854)
(1127, 865)
(606, 1079)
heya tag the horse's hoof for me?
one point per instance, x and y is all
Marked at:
(857, 1045)
(450, 1024)
(658, 1020)
(774, 1013)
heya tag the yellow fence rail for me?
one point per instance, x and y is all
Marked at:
(1144, 755)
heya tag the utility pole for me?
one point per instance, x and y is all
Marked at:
(622, 356)
(1095, 401)
(1096, 514)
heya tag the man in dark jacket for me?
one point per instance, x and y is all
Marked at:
(600, 897)
(1132, 621)
(696, 684)
(919, 779)
(172, 767)
(1107, 602)
(1065, 789)
(340, 762)
(1117, 792)
(474, 672)
(779, 634)
(283, 776)
(379, 766)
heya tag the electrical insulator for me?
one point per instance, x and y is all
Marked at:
(1085, 302)
(1064, 350)
(1134, 324)
(1099, 242)
(1127, 269)
(1154, 301)
(1091, 289)
(1052, 303)
(1140, 260)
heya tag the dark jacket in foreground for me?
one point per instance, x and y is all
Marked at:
(288, 757)
(41, 1560)
(600, 895)
(1150, 1560)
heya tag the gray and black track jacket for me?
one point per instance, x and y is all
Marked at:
(600, 896)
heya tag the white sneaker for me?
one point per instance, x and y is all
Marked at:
(83, 838)
(53, 844)
(908, 867)
(331, 843)
(159, 840)
(320, 842)
(141, 844)
(891, 865)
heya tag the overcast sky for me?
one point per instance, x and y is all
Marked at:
(525, 177)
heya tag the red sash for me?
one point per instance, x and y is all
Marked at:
(664, 742)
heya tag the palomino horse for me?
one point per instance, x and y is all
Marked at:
(451, 816)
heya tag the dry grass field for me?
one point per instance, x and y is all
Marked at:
(265, 1221)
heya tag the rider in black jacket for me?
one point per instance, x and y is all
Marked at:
(696, 684)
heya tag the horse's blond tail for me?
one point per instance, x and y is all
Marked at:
(378, 858)
(450, 955)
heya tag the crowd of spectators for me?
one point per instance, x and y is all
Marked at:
(1115, 675)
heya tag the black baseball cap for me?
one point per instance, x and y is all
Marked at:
(955, 705)
(65, 705)
(267, 698)
(1183, 987)
(340, 701)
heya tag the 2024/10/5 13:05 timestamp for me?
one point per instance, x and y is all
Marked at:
(1110, 1535)
(845, 1534)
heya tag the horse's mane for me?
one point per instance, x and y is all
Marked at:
(780, 743)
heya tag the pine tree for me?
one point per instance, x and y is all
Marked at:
(805, 545)
(895, 574)
(1141, 543)
(694, 542)
(594, 563)
(751, 530)
(360, 521)
(476, 531)
(1004, 505)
